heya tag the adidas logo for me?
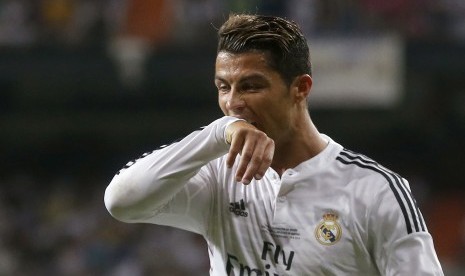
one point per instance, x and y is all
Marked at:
(238, 208)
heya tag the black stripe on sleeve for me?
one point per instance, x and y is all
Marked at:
(417, 209)
(408, 197)
(396, 194)
(396, 183)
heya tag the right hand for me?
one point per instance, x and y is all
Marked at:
(255, 148)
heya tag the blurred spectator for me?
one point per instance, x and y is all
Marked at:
(337, 17)
(304, 12)
(145, 25)
(57, 16)
(455, 10)
(194, 18)
(15, 25)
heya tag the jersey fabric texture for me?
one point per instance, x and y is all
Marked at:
(339, 213)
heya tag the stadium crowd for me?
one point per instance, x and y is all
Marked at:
(81, 22)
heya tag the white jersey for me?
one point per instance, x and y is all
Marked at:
(339, 213)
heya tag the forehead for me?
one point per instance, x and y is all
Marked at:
(235, 65)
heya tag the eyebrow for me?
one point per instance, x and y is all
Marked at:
(251, 77)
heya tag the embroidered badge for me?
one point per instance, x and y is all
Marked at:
(328, 232)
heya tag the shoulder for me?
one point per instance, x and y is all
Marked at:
(359, 166)
(355, 167)
(373, 177)
(389, 191)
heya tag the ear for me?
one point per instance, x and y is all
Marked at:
(302, 85)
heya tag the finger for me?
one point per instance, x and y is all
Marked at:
(255, 162)
(246, 155)
(234, 150)
(266, 160)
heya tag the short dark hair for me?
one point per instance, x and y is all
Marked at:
(283, 41)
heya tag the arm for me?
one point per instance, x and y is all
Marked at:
(145, 186)
(402, 244)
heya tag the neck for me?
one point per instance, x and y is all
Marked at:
(301, 143)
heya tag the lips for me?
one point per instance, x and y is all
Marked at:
(247, 120)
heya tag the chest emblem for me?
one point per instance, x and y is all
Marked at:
(329, 231)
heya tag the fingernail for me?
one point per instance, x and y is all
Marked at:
(245, 181)
(258, 176)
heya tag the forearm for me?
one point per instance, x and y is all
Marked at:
(140, 190)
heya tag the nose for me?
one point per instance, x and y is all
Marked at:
(235, 101)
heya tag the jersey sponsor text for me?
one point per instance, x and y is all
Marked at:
(270, 253)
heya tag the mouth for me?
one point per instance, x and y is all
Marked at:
(247, 120)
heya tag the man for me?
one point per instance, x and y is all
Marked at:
(268, 192)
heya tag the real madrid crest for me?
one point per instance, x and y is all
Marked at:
(328, 232)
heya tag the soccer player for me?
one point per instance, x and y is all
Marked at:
(268, 192)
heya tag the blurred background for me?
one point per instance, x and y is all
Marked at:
(86, 85)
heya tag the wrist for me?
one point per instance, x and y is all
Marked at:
(228, 130)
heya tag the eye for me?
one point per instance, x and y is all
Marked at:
(252, 87)
(222, 87)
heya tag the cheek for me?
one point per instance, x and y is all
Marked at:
(222, 105)
(275, 110)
